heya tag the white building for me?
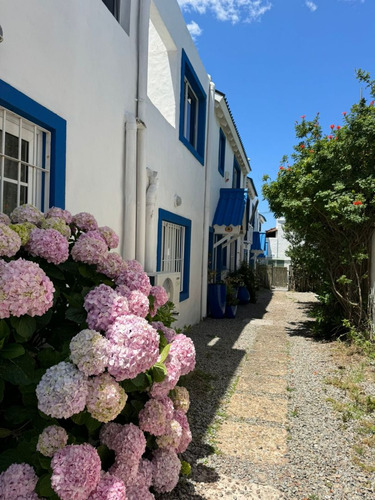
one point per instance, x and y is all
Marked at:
(277, 243)
(105, 107)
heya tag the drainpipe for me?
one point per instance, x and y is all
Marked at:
(130, 180)
(142, 43)
(207, 198)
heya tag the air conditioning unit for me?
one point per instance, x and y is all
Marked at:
(170, 282)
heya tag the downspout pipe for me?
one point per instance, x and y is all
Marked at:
(143, 27)
(130, 181)
(207, 199)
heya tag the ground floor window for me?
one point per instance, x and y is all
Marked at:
(174, 237)
(32, 152)
(25, 151)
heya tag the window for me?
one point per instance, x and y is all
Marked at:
(174, 236)
(236, 182)
(24, 168)
(32, 152)
(221, 152)
(192, 110)
(114, 7)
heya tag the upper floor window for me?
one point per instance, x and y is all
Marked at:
(236, 182)
(222, 142)
(114, 7)
(192, 110)
(32, 153)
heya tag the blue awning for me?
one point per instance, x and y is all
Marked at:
(230, 208)
(259, 242)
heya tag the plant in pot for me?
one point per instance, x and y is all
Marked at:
(231, 300)
(216, 295)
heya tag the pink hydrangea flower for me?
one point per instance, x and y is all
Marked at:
(62, 391)
(4, 219)
(26, 213)
(109, 488)
(172, 437)
(144, 474)
(165, 470)
(160, 297)
(48, 244)
(180, 398)
(168, 333)
(139, 493)
(104, 306)
(186, 437)
(110, 236)
(60, 214)
(58, 224)
(89, 250)
(134, 347)
(112, 265)
(126, 440)
(75, 471)
(135, 280)
(52, 438)
(154, 416)
(24, 289)
(139, 304)
(134, 265)
(94, 234)
(85, 222)
(126, 470)
(89, 351)
(18, 482)
(183, 348)
(10, 242)
(106, 398)
(161, 389)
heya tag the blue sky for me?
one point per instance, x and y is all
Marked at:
(277, 60)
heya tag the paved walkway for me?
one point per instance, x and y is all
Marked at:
(240, 398)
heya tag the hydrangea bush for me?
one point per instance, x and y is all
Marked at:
(89, 366)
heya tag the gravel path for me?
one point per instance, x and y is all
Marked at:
(262, 426)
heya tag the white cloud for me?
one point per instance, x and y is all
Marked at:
(229, 10)
(194, 29)
(311, 5)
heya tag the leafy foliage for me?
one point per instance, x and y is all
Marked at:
(327, 195)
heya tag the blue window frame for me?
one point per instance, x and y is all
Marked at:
(173, 251)
(192, 110)
(236, 183)
(22, 105)
(222, 142)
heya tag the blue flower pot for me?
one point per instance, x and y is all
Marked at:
(230, 311)
(243, 295)
(216, 300)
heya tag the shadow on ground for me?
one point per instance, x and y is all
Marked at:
(208, 384)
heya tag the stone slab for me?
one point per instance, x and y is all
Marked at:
(258, 443)
(257, 407)
(256, 367)
(264, 384)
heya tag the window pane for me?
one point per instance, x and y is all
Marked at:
(24, 157)
(11, 145)
(11, 169)
(23, 195)
(10, 197)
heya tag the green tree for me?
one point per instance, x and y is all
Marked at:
(327, 195)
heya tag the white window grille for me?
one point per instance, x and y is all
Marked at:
(25, 150)
(173, 249)
(191, 115)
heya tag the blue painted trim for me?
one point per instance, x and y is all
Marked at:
(222, 143)
(19, 103)
(188, 71)
(164, 215)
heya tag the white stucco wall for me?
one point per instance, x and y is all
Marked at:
(279, 245)
(76, 60)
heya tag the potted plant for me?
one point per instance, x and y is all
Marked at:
(216, 296)
(231, 300)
